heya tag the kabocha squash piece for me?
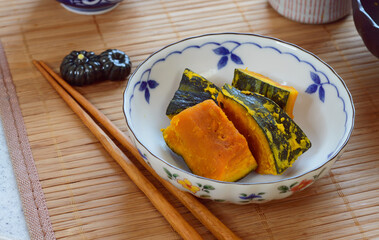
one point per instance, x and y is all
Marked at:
(209, 143)
(284, 96)
(81, 68)
(116, 64)
(275, 140)
(192, 90)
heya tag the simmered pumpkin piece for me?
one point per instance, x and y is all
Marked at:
(275, 140)
(284, 96)
(209, 143)
(192, 90)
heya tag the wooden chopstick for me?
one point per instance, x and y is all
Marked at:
(176, 220)
(212, 223)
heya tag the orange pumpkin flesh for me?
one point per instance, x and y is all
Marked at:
(275, 140)
(209, 143)
(253, 133)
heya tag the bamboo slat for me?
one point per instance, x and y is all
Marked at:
(89, 197)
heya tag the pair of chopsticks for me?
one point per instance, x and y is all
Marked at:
(77, 102)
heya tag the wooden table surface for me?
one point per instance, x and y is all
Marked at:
(87, 194)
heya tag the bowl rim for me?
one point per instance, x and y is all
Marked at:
(330, 158)
(361, 9)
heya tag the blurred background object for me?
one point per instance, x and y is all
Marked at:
(89, 7)
(366, 20)
(312, 11)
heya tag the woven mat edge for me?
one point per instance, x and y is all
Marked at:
(32, 196)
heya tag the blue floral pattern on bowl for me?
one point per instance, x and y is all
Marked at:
(225, 54)
(322, 93)
(145, 86)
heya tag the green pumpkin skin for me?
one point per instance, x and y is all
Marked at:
(193, 89)
(243, 81)
(284, 96)
(116, 64)
(285, 138)
(81, 68)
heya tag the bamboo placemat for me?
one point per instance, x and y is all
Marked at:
(32, 197)
(88, 195)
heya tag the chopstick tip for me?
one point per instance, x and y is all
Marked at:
(35, 62)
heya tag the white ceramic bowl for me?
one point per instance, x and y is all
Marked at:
(324, 110)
